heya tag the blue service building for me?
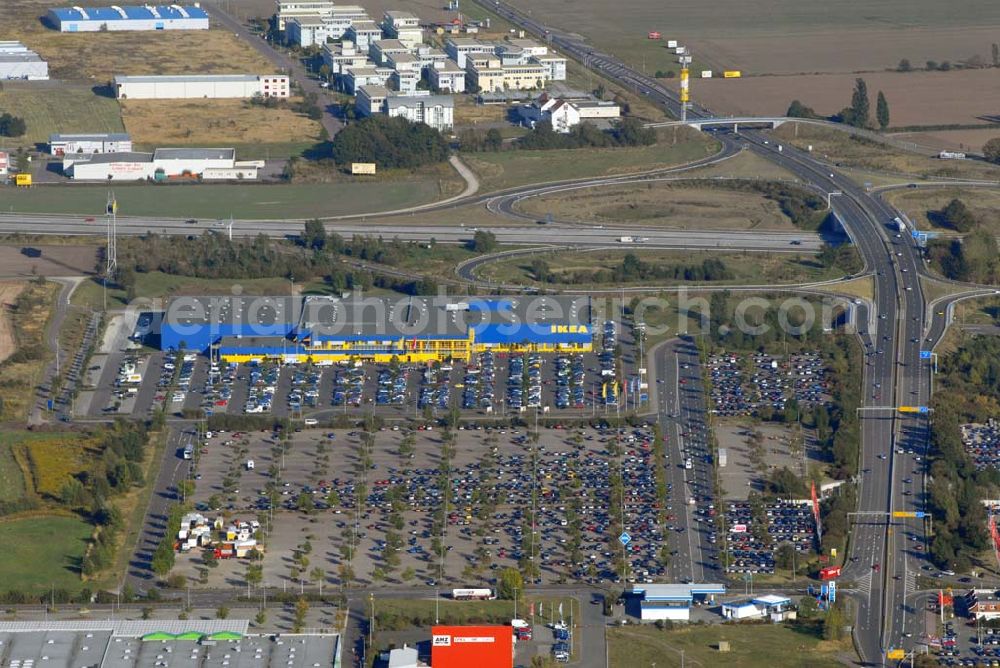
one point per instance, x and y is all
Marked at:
(291, 329)
(130, 17)
(673, 601)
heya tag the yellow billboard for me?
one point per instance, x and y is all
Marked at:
(362, 168)
(23, 180)
(732, 74)
(895, 654)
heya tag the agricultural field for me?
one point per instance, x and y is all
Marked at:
(950, 140)
(680, 206)
(43, 552)
(864, 154)
(155, 123)
(49, 107)
(247, 202)
(789, 37)
(915, 98)
(750, 646)
(508, 169)
(19, 375)
(921, 205)
(97, 57)
(748, 268)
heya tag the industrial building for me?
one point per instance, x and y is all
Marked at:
(190, 86)
(129, 17)
(410, 329)
(19, 62)
(143, 644)
(161, 165)
(62, 144)
(672, 601)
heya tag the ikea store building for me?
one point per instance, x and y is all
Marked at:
(293, 329)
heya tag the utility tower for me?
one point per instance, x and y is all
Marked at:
(685, 62)
(111, 215)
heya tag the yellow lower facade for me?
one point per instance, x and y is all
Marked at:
(404, 351)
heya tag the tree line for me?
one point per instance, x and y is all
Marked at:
(632, 269)
(970, 392)
(857, 114)
(12, 126)
(972, 258)
(629, 131)
(389, 143)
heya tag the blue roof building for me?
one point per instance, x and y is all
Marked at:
(132, 17)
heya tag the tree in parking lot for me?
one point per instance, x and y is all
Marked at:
(509, 584)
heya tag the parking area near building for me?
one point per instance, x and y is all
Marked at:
(748, 384)
(490, 385)
(434, 509)
(757, 529)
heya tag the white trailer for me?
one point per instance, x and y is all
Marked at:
(473, 594)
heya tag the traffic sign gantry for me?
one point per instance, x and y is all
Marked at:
(913, 409)
(919, 514)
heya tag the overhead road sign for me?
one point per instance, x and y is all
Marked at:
(926, 354)
(919, 514)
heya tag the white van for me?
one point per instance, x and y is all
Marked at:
(249, 465)
(311, 422)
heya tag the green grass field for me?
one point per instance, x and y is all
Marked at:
(748, 268)
(42, 552)
(751, 646)
(12, 483)
(220, 201)
(507, 169)
(50, 109)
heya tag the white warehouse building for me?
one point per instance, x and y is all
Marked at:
(19, 62)
(65, 144)
(162, 164)
(115, 17)
(188, 86)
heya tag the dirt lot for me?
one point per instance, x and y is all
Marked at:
(98, 56)
(69, 260)
(740, 476)
(917, 204)
(915, 98)
(213, 123)
(8, 295)
(662, 204)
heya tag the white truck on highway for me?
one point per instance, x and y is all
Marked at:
(899, 224)
(626, 240)
(473, 594)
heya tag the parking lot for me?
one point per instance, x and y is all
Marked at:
(746, 384)
(756, 530)
(982, 443)
(424, 518)
(490, 385)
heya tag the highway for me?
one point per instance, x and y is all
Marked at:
(880, 556)
(597, 235)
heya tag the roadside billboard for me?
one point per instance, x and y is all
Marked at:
(479, 646)
(363, 168)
